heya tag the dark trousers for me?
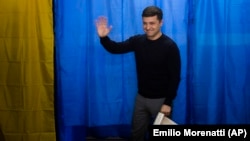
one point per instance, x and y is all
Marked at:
(144, 112)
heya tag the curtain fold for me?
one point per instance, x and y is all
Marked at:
(27, 71)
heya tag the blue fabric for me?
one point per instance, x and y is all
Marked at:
(95, 90)
(219, 64)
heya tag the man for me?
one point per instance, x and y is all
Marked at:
(158, 67)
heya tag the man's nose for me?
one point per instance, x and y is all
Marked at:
(147, 27)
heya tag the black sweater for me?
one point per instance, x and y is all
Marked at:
(157, 62)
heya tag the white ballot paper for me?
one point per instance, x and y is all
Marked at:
(161, 119)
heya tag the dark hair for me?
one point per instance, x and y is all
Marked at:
(152, 11)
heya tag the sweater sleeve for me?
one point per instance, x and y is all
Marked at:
(117, 47)
(174, 69)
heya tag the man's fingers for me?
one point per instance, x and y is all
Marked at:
(102, 20)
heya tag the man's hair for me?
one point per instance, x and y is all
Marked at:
(152, 11)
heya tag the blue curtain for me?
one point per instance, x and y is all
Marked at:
(219, 86)
(96, 90)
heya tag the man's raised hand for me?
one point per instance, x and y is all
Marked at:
(102, 26)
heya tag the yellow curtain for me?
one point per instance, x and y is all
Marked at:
(26, 70)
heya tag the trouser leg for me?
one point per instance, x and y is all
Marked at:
(140, 119)
(154, 106)
(145, 110)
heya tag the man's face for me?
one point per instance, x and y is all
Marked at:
(151, 26)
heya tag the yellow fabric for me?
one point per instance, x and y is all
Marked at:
(27, 70)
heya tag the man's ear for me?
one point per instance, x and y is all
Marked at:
(161, 22)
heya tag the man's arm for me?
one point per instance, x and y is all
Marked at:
(174, 69)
